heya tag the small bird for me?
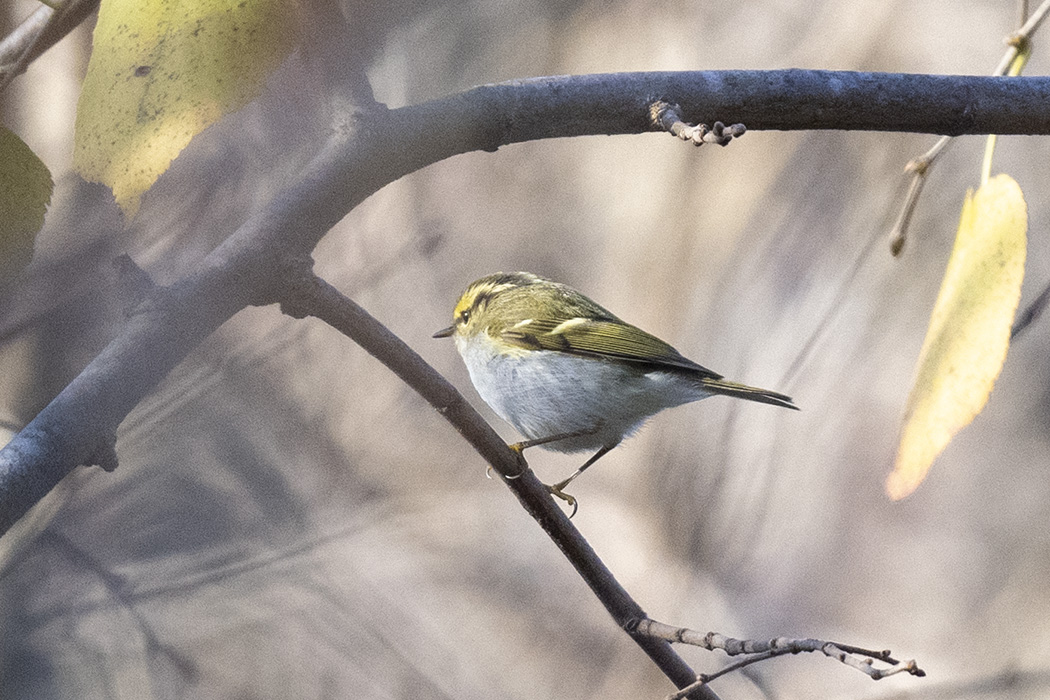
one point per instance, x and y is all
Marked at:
(567, 373)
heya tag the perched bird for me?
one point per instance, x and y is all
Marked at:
(567, 373)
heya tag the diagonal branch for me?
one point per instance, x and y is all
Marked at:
(308, 295)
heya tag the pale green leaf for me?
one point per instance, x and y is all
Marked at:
(25, 190)
(969, 330)
(161, 71)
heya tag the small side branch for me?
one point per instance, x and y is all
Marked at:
(669, 118)
(855, 657)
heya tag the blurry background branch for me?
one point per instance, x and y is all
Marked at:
(39, 32)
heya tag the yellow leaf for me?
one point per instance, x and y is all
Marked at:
(969, 331)
(25, 190)
(162, 71)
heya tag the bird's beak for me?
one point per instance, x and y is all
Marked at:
(445, 332)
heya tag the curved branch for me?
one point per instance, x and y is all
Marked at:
(617, 103)
(373, 146)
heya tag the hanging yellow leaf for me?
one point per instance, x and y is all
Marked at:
(25, 190)
(162, 71)
(969, 331)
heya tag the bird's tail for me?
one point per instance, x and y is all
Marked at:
(743, 391)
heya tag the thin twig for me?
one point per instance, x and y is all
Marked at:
(855, 657)
(1023, 36)
(919, 168)
(1016, 66)
(1019, 42)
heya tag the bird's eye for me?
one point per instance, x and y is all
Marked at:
(464, 316)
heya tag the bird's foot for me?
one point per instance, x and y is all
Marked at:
(556, 490)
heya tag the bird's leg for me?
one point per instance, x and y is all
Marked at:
(525, 444)
(520, 447)
(558, 488)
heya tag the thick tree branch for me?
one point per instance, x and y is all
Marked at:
(617, 103)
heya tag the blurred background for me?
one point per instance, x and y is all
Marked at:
(289, 520)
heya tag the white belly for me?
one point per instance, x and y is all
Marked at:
(544, 393)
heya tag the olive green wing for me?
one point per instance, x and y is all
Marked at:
(603, 338)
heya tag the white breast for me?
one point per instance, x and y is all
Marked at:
(544, 393)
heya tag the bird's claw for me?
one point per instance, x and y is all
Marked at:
(489, 471)
(556, 490)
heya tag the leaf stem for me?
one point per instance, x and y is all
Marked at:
(1016, 66)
